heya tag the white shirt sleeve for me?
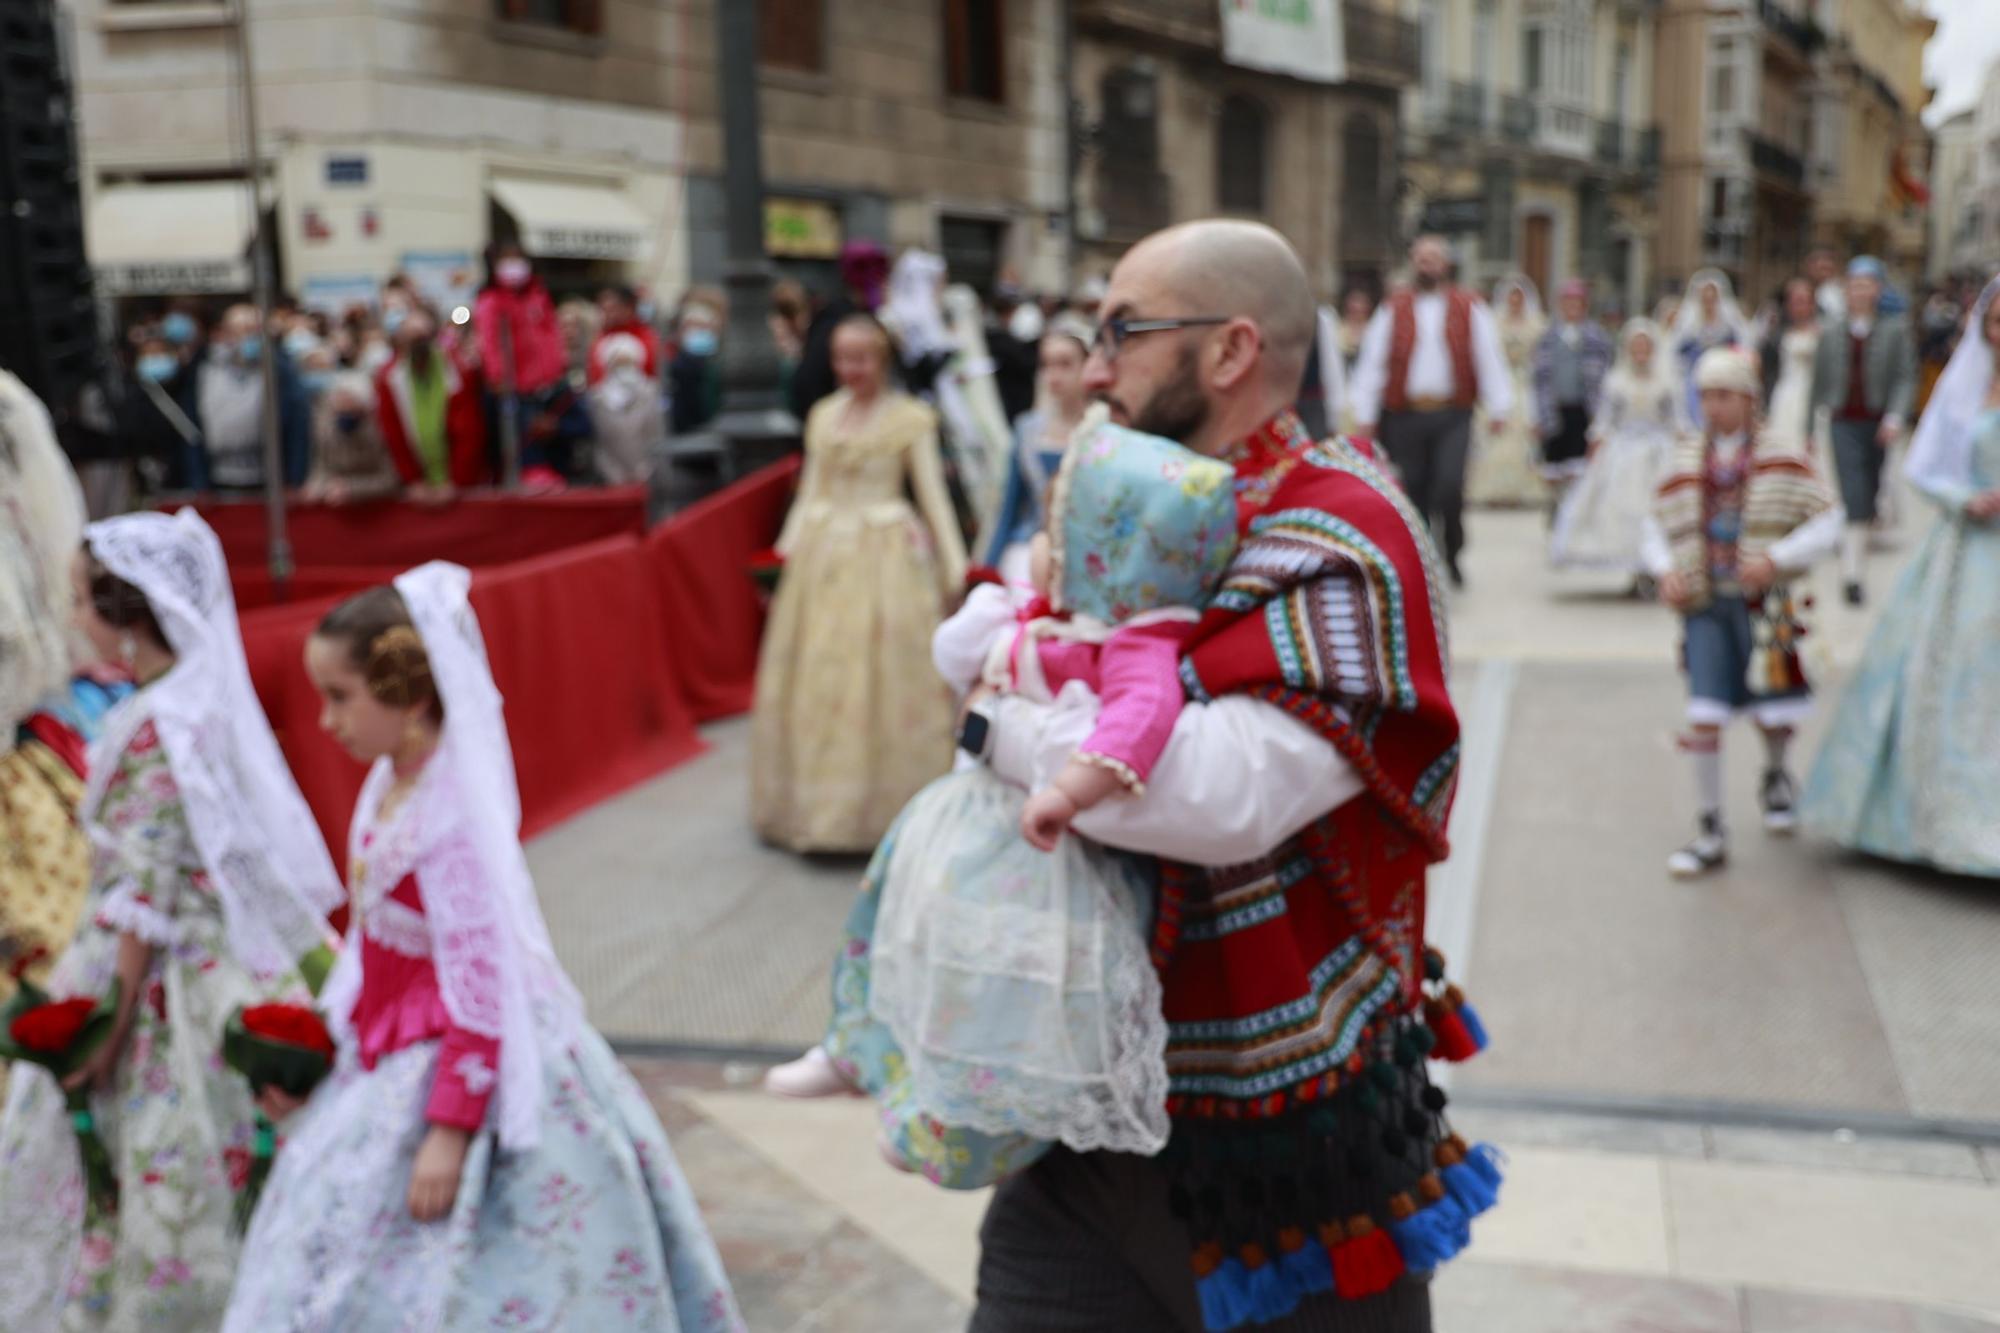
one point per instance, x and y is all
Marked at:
(1371, 370)
(1655, 555)
(1496, 383)
(960, 645)
(1810, 542)
(1237, 778)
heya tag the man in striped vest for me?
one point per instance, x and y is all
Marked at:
(1736, 519)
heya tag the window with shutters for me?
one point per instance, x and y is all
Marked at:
(584, 17)
(791, 34)
(1240, 131)
(975, 49)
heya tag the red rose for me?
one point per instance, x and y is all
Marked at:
(768, 558)
(146, 741)
(290, 1025)
(156, 999)
(237, 1162)
(49, 1029)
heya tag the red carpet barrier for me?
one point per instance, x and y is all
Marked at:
(473, 530)
(608, 653)
(713, 615)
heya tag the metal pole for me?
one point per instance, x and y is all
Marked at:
(751, 416)
(264, 281)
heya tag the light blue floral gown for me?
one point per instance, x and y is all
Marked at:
(1909, 770)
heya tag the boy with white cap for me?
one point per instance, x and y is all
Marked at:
(1734, 520)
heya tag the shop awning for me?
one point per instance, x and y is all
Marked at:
(170, 238)
(563, 219)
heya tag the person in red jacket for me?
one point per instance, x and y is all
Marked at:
(522, 358)
(432, 416)
(620, 308)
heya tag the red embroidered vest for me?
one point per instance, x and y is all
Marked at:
(1457, 341)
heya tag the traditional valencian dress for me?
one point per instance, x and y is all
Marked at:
(1693, 335)
(206, 851)
(851, 720)
(44, 855)
(1908, 770)
(1506, 467)
(450, 1009)
(995, 998)
(1603, 517)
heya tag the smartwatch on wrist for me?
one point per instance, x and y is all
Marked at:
(975, 733)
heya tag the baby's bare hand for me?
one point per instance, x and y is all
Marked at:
(1045, 816)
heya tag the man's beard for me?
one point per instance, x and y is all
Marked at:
(1428, 282)
(1177, 409)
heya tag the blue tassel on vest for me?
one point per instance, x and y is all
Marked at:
(1476, 1029)
(1474, 1184)
(1270, 1296)
(1308, 1269)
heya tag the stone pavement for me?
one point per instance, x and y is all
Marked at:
(1672, 1061)
(1606, 1226)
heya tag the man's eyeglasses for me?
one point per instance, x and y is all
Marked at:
(1112, 333)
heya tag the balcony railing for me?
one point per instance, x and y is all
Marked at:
(1803, 33)
(1465, 108)
(1622, 147)
(1517, 118)
(1768, 157)
(1563, 130)
(1384, 46)
(1723, 244)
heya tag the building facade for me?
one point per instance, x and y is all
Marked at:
(1168, 130)
(1532, 140)
(1734, 193)
(939, 124)
(1869, 149)
(1955, 221)
(1986, 167)
(406, 135)
(398, 135)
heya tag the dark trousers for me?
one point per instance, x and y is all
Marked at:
(1085, 1243)
(1430, 450)
(1858, 460)
(1571, 440)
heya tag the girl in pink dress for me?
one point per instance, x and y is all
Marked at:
(477, 1158)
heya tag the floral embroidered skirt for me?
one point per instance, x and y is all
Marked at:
(993, 998)
(593, 1228)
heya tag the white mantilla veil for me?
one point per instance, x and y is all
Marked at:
(256, 836)
(41, 525)
(1688, 320)
(497, 970)
(1941, 450)
(1531, 308)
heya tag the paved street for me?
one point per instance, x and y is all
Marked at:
(1765, 1102)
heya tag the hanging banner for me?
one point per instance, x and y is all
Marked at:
(1304, 38)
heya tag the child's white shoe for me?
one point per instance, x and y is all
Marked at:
(1707, 852)
(811, 1075)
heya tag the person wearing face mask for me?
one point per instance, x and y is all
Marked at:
(521, 355)
(154, 417)
(229, 409)
(349, 460)
(432, 414)
(694, 379)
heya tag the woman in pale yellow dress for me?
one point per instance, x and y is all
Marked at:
(44, 856)
(851, 717)
(1506, 465)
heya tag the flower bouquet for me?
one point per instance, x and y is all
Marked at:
(60, 1036)
(282, 1046)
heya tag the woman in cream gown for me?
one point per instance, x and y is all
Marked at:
(851, 718)
(1505, 466)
